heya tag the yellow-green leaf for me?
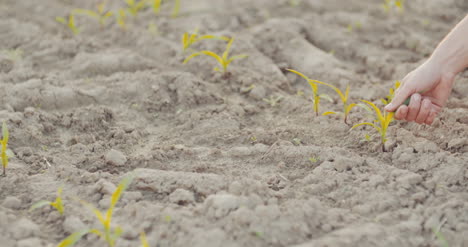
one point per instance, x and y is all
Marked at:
(349, 108)
(144, 241)
(337, 90)
(228, 49)
(370, 124)
(328, 113)
(376, 109)
(73, 238)
(39, 204)
(208, 53)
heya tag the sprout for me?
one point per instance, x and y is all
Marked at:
(316, 96)
(188, 39)
(223, 60)
(70, 23)
(57, 204)
(109, 234)
(100, 14)
(5, 152)
(344, 99)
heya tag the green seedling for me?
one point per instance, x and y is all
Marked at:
(388, 5)
(315, 94)
(344, 99)
(354, 26)
(101, 15)
(144, 241)
(5, 152)
(70, 23)
(57, 204)
(273, 101)
(108, 233)
(134, 7)
(188, 39)
(440, 237)
(175, 11)
(122, 19)
(223, 60)
(382, 118)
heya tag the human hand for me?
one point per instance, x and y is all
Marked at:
(429, 87)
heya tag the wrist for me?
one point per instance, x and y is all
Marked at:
(448, 67)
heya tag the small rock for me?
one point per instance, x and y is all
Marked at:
(221, 205)
(24, 228)
(12, 202)
(181, 197)
(116, 158)
(258, 93)
(29, 242)
(409, 180)
(73, 224)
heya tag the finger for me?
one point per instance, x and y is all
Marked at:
(424, 111)
(431, 117)
(400, 96)
(413, 107)
(401, 113)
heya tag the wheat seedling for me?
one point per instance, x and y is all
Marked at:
(344, 99)
(5, 152)
(188, 39)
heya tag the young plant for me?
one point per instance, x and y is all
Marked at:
(382, 118)
(188, 39)
(390, 4)
(344, 99)
(5, 152)
(101, 15)
(107, 232)
(57, 204)
(70, 23)
(175, 11)
(223, 60)
(121, 19)
(144, 241)
(134, 7)
(273, 101)
(315, 94)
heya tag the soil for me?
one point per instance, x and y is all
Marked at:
(214, 164)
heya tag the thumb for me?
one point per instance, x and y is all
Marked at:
(399, 98)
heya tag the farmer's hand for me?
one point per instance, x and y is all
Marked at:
(429, 87)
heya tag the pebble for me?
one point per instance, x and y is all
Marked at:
(12, 202)
(116, 158)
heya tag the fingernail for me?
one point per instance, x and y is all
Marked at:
(389, 106)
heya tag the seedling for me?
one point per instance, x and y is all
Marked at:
(121, 19)
(354, 26)
(344, 99)
(191, 38)
(175, 11)
(108, 233)
(390, 4)
(382, 120)
(101, 15)
(70, 23)
(134, 7)
(5, 152)
(273, 101)
(315, 94)
(223, 60)
(144, 241)
(57, 204)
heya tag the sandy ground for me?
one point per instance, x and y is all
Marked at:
(214, 164)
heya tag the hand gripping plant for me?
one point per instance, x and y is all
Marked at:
(382, 119)
(107, 232)
(315, 94)
(223, 60)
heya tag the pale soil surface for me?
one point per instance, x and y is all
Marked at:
(214, 164)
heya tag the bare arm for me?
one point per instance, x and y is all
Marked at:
(430, 85)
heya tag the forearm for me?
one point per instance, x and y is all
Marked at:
(452, 53)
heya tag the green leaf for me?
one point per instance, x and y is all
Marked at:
(73, 238)
(40, 204)
(5, 132)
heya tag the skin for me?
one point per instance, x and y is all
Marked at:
(430, 85)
